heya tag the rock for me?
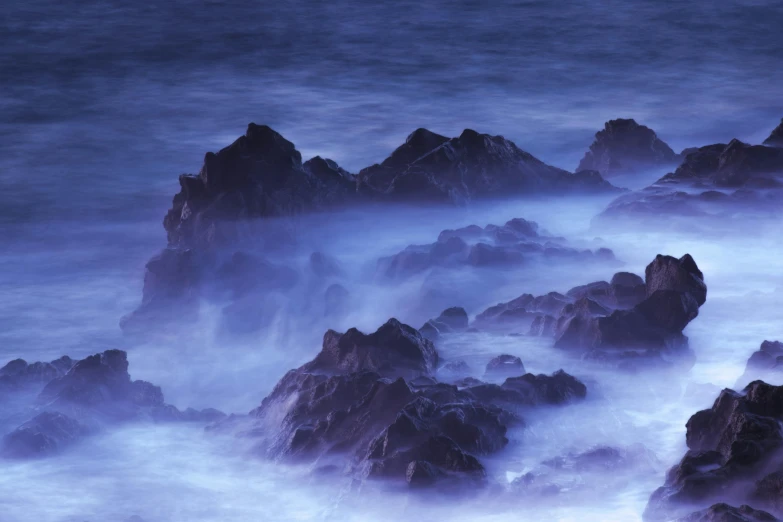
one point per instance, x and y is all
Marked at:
(454, 369)
(393, 350)
(46, 434)
(679, 275)
(734, 441)
(726, 513)
(453, 319)
(625, 147)
(505, 365)
(352, 408)
(260, 174)
(765, 364)
(768, 492)
(605, 458)
(776, 138)
(468, 167)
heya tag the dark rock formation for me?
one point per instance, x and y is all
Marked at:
(625, 147)
(18, 374)
(430, 167)
(730, 445)
(83, 397)
(625, 318)
(726, 513)
(260, 174)
(513, 244)
(504, 366)
(352, 404)
(717, 181)
(776, 138)
(765, 364)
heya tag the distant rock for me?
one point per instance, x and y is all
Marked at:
(505, 366)
(726, 513)
(776, 138)
(370, 404)
(625, 147)
(453, 319)
(430, 167)
(730, 445)
(515, 243)
(84, 397)
(18, 374)
(765, 364)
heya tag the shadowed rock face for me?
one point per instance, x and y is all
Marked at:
(731, 446)
(370, 404)
(624, 147)
(765, 364)
(429, 167)
(776, 138)
(84, 397)
(726, 513)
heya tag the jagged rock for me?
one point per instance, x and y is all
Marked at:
(394, 350)
(18, 374)
(324, 265)
(776, 138)
(726, 513)
(765, 364)
(351, 402)
(453, 319)
(45, 434)
(735, 441)
(505, 365)
(336, 299)
(470, 166)
(260, 174)
(86, 396)
(624, 147)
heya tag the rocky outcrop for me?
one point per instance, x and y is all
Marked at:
(765, 364)
(92, 394)
(430, 167)
(504, 366)
(19, 375)
(454, 319)
(370, 404)
(730, 446)
(776, 138)
(716, 181)
(513, 244)
(726, 513)
(625, 147)
(624, 319)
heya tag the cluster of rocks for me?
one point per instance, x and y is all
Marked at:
(73, 399)
(262, 174)
(626, 318)
(625, 147)
(513, 244)
(719, 180)
(733, 454)
(369, 405)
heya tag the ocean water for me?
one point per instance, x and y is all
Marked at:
(103, 104)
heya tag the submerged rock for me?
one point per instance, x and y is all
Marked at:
(625, 147)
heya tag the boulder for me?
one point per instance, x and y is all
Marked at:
(453, 319)
(625, 147)
(505, 366)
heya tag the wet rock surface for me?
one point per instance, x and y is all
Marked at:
(733, 452)
(79, 398)
(370, 404)
(623, 147)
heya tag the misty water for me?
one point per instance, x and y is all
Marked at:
(104, 104)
